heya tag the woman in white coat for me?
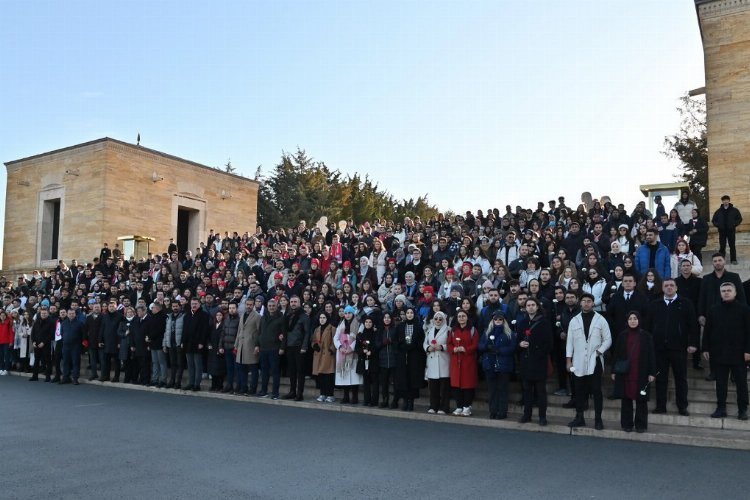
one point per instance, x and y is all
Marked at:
(345, 342)
(682, 252)
(596, 285)
(437, 371)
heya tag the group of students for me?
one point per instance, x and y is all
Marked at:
(394, 308)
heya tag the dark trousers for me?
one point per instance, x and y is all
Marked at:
(497, 384)
(439, 393)
(561, 370)
(540, 387)
(93, 360)
(641, 414)
(678, 361)
(326, 382)
(295, 370)
(270, 366)
(230, 366)
(589, 385)
(727, 236)
(139, 369)
(57, 358)
(697, 250)
(354, 389)
(463, 397)
(242, 384)
(371, 385)
(71, 360)
(43, 354)
(739, 372)
(176, 367)
(385, 376)
(109, 358)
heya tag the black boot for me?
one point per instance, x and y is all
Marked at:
(578, 421)
(394, 404)
(405, 406)
(411, 405)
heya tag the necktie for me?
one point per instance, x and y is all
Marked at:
(627, 296)
(669, 301)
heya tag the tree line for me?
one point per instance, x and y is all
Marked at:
(299, 187)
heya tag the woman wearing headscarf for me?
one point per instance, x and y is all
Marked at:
(634, 369)
(410, 362)
(324, 357)
(367, 363)
(435, 345)
(463, 342)
(345, 341)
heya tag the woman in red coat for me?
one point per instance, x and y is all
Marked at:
(7, 337)
(463, 342)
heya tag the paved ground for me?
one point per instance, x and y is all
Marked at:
(102, 442)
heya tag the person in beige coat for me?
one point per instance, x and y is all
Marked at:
(324, 357)
(246, 359)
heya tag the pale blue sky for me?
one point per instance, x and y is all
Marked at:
(478, 103)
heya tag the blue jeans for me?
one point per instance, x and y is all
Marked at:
(270, 365)
(158, 366)
(229, 360)
(71, 355)
(195, 368)
(6, 356)
(242, 377)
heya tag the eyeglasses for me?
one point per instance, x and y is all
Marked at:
(438, 319)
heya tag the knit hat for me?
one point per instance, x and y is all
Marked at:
(278, 276)
(450, 271)
(350, 310)
(400, 297)
(428, 289)
(315, 262)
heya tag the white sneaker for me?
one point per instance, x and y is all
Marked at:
(441, 412)
(466, 412)
(458, 411)
(330, 399)
(3, 372)
(321, 398)
(431, 411)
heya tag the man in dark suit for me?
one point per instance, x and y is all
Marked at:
(710, 294)
(673, 326)
(689, 286)
(726, 343)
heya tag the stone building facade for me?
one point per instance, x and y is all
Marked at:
(725, 31)
(65, 204)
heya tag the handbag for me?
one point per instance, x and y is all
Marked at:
(622, 366)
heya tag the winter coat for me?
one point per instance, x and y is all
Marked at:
(410, 362)
(109, 329)
(43, 330)
(701, 232)
(229, 332)
(597, 290)
(584, 351)
(7, 336)
(22, 342)
(174, 324)
(685, 210)
(216, 366)
(72, 332)
(367, 341)
(463, 365)
(385, 343)
(324, 352)
(534, 359)
(438, 362)
(662, 265)
(726, 219)
(247, 338)
(195, 331)
(155, 328)
(124, 334)
(726, 336)
(271, 327)
(498, 353)
(346, 371)
(92, 328)
(646, 362)
(673, 327)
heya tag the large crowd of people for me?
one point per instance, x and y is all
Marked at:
(391, 311)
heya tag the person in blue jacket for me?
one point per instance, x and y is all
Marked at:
(498, 347)
(653, 254)
(72, 337)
